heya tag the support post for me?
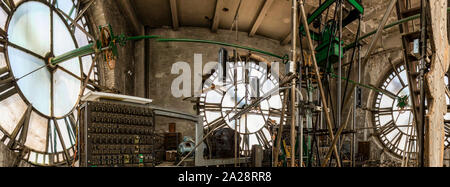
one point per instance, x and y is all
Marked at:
(434, 127)
(293, 70)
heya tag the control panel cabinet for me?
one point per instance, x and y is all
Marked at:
(115, 134)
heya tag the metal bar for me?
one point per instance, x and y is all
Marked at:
(336, 138)
(316, 69)
(339, 81)
(293, 70)
(280, 129)
(319, 11)
(82, 51)
(143, 37)
(358, 6)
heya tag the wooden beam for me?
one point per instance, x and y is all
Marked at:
(216, 19)
(174, 10)
(436, 96)
(260, 17)
(130, 14)
(287, 39)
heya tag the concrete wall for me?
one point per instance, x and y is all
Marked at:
(163, 55)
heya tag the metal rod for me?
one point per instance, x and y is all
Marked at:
(339, 81)
(280, 128)
(316, 71)
(336, 138)
(293, 70)
(82, 51)
(300, 133)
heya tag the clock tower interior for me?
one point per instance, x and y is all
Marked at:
(234, 83)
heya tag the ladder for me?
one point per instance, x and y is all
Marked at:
(412, 63)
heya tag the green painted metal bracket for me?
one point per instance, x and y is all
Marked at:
(320, 10)
(358, 6)
(324, 6)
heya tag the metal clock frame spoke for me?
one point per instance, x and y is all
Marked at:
(8, 82)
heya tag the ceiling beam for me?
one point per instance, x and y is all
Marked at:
(261, 17)
(130, 14)
(287, 39)
(216, 19)
(174, 10)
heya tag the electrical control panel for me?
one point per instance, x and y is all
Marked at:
(116, 134)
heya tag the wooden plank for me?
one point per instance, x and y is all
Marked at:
(216, 20)
(261, 17)
(174, 10)
(436, 97)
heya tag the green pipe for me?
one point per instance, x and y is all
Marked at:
(358, 6)
(284, 58)
(386, 27)
(319, 11)
(88, 49)
(142, 37)
(324, 6)
(363, 85)
(71, 12)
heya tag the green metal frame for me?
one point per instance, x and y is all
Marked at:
(358, 6)
(324, 6)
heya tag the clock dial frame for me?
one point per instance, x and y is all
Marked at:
(219, 102)
(39, 138)
(394, 126)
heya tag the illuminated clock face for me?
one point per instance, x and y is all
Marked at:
(37, 99)
(394, 125)
(225, 100)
